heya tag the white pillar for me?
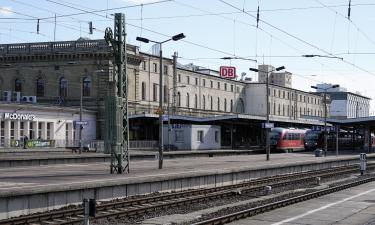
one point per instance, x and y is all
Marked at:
(52, 131)
(7, 132)
(35, 130)
(17, 130)
(44, 130)
(26, 128)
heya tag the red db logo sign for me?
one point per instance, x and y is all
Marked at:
(228, 72)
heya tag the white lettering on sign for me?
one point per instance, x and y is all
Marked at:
(18, 116)
(228, 72)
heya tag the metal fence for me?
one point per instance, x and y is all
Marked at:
(143, 145)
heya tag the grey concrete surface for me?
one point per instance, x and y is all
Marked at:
(23, 157)
(354, 206)
(25, 190)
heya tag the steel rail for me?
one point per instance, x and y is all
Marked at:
(279, 204)
(138, 205)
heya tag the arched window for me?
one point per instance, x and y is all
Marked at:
(231, 105)
(63, 87)
(40, 87)
(212, 104)
(18, 85)
(165, 94)
(187, 100)
(196, 101)
(225, 104)
(204, 102)
(86, 86)
(178, 99)
(240, 106)
(143, 91)
(218, 104)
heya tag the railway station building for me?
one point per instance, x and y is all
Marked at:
(58, 74)
(44, 126)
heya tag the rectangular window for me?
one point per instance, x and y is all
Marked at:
(143, 65)
(216, 136)
(238, 89)
(200, 136)
(66, 133)
(165, 70)
(39, 130)
(155, 67)
(204, 82)
(12, 130)
(196, 81)
(225, 87)
(48, 131)
(31, 132)
(155, 92)
(212, 84)
(179, 136)
(179, 78)
(231, 87)
(218, 85)
(187, 79)
(22, 128)
(2, 134)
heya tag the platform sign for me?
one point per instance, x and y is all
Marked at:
(268, 125)
(228, 72)
(321, 128)
(83, 123)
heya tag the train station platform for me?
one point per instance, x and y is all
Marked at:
(23, 157)
(31, 189)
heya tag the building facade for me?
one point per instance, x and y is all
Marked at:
(60, 73)
(283, 102)
(345, 104)
(283, 79)
(44, 126)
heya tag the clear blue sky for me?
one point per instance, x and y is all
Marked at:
(223, 30)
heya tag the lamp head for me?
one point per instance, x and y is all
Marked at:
(178, 37)
(145, 40)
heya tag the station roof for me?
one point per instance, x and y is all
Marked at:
(231, 117)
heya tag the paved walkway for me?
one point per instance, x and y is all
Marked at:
(31, 177)
(353, 206)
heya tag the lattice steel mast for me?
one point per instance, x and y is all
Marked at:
(117, 129)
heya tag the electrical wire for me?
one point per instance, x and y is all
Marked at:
(256, 35)
(300, 39)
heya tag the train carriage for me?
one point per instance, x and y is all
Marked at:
(287, 139)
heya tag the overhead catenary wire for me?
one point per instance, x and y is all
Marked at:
(300, 39)
(256, 33)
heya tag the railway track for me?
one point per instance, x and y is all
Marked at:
(279, 204)
(139, 206)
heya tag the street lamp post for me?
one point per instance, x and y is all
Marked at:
(145, 40)
(268, 150)
(80, 116)
(325, 113)
(169, 114)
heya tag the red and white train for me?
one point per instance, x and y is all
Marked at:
(287, 139)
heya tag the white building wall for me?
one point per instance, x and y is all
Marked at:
(55, 118)
(189, 136)
(339, 108)
(209, 141)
